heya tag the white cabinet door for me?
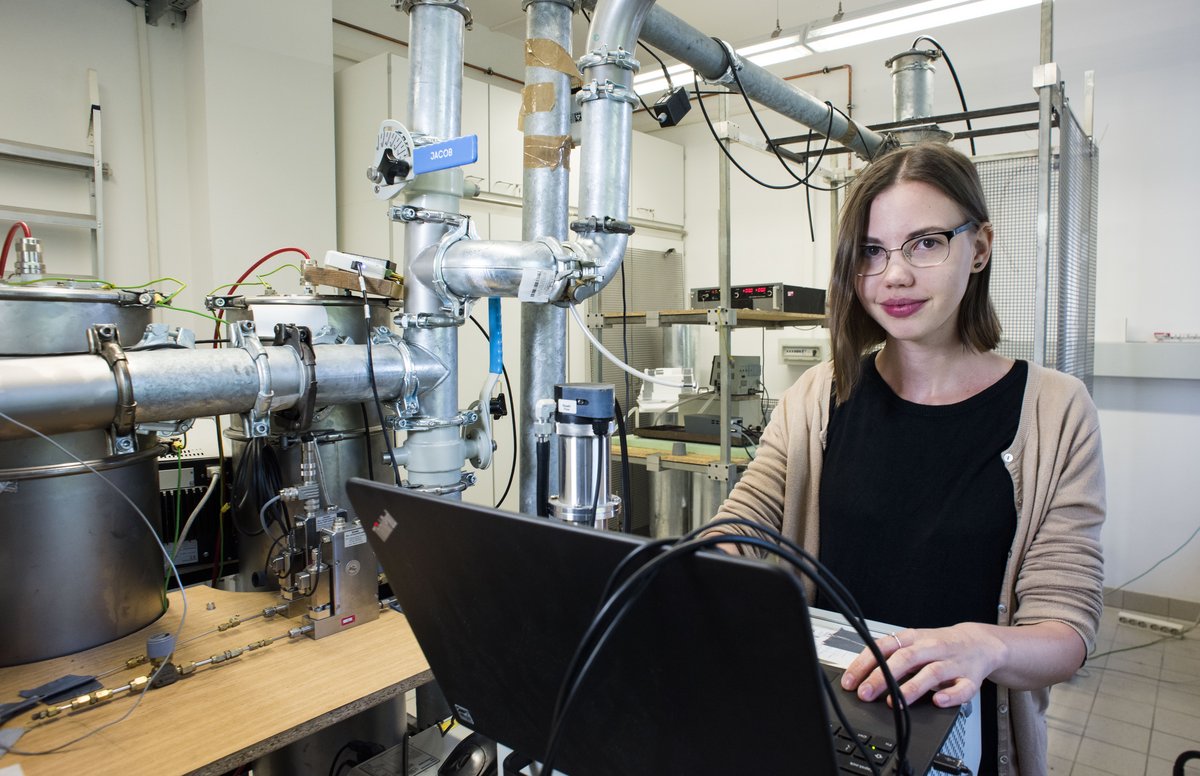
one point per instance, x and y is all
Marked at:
(506, 144)
(475, 122)
(656, 186)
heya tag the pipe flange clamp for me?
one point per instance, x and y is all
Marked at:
(256, 422)
(456, 5)
(609, 90)
(105, 341)
(574, 5)
(602, 56)
(453, 304)
(299, 339)
(727, 78)
(406, 402)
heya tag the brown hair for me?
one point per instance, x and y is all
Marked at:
(853, 332)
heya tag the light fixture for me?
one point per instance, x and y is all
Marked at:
(769, 52)
(900, 18)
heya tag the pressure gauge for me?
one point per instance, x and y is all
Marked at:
(392, 168)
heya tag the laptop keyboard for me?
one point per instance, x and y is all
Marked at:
(852, 759)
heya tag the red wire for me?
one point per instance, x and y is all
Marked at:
(12, 230)
(246, 274)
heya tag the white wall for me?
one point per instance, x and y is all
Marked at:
(1147, 191)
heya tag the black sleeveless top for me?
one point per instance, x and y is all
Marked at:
(917, 509)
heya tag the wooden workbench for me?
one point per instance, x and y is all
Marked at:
(223, 715)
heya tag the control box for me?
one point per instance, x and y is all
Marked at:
(776, 297)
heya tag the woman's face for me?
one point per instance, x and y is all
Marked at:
(920, 304)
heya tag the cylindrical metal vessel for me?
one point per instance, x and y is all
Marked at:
(670, 496)
(584, 424)
(340, 431)
(86, 568)
(912, 84)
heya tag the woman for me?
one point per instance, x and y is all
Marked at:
(950, 488)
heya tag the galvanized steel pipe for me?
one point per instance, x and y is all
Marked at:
(57, 394)
(544, 214)
(675, 37)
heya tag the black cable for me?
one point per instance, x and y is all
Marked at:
(766, 135)
(362, 284)
(543, 478)
(624, 334)
(632, 588)
(663, 65)
(627, 505)
(953, 74)
(512, 415)
(367, 439)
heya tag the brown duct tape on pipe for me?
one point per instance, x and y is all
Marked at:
(551, 151)
(543, 52)
(535, 98)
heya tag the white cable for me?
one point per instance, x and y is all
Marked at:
(187, 526)
(618, 362)
(262, 513)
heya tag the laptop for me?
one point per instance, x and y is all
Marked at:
(712, 671)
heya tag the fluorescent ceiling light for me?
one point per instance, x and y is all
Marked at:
(902, 19)
(769, 52)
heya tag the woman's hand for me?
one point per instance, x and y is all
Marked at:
(949, 662)
(953, 662)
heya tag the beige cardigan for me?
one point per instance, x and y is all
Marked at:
(1055, 567)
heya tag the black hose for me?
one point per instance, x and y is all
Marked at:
(543, 477)
(626, 505)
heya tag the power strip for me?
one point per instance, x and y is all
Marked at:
(1147, 622)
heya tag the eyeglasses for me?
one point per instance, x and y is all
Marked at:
(926, 250)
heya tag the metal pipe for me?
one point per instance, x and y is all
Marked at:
(177, 384)
(675, 37)
(435, 455)
(544, 214)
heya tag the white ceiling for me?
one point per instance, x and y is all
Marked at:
(752, 20)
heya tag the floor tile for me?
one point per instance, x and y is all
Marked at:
(1063, 745)
(1147, 668)
(1059, 766)
(1130, 687)
(1134, 712)
(1114, 731)
(1082, 769)
(1181, 664)
(1110, 758)
(1073, 697)
(1168, 746)
(1066, 719)
(1185, 726)
(1175, 699)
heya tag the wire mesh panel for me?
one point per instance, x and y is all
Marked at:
(653, 281)
(1011, 186)
(1073, 251)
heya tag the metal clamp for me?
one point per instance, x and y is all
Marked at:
(456, 5)
(602, 56)
(256, 422)
(609, 90)
(467, 480)
(218, 303)
(406, 403)
(456, 306)
(607, 225)
(299, 338)
(426, 321)
(728, 77)
(105, 341)
(412, 213)
(464, 418)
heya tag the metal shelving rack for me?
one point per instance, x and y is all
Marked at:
(90, 163)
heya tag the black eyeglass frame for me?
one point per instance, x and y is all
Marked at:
(949, 234)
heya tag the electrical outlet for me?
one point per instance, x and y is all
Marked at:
(1159, 625)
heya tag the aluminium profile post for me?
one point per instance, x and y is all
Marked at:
(545, 213)
(724, 271)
